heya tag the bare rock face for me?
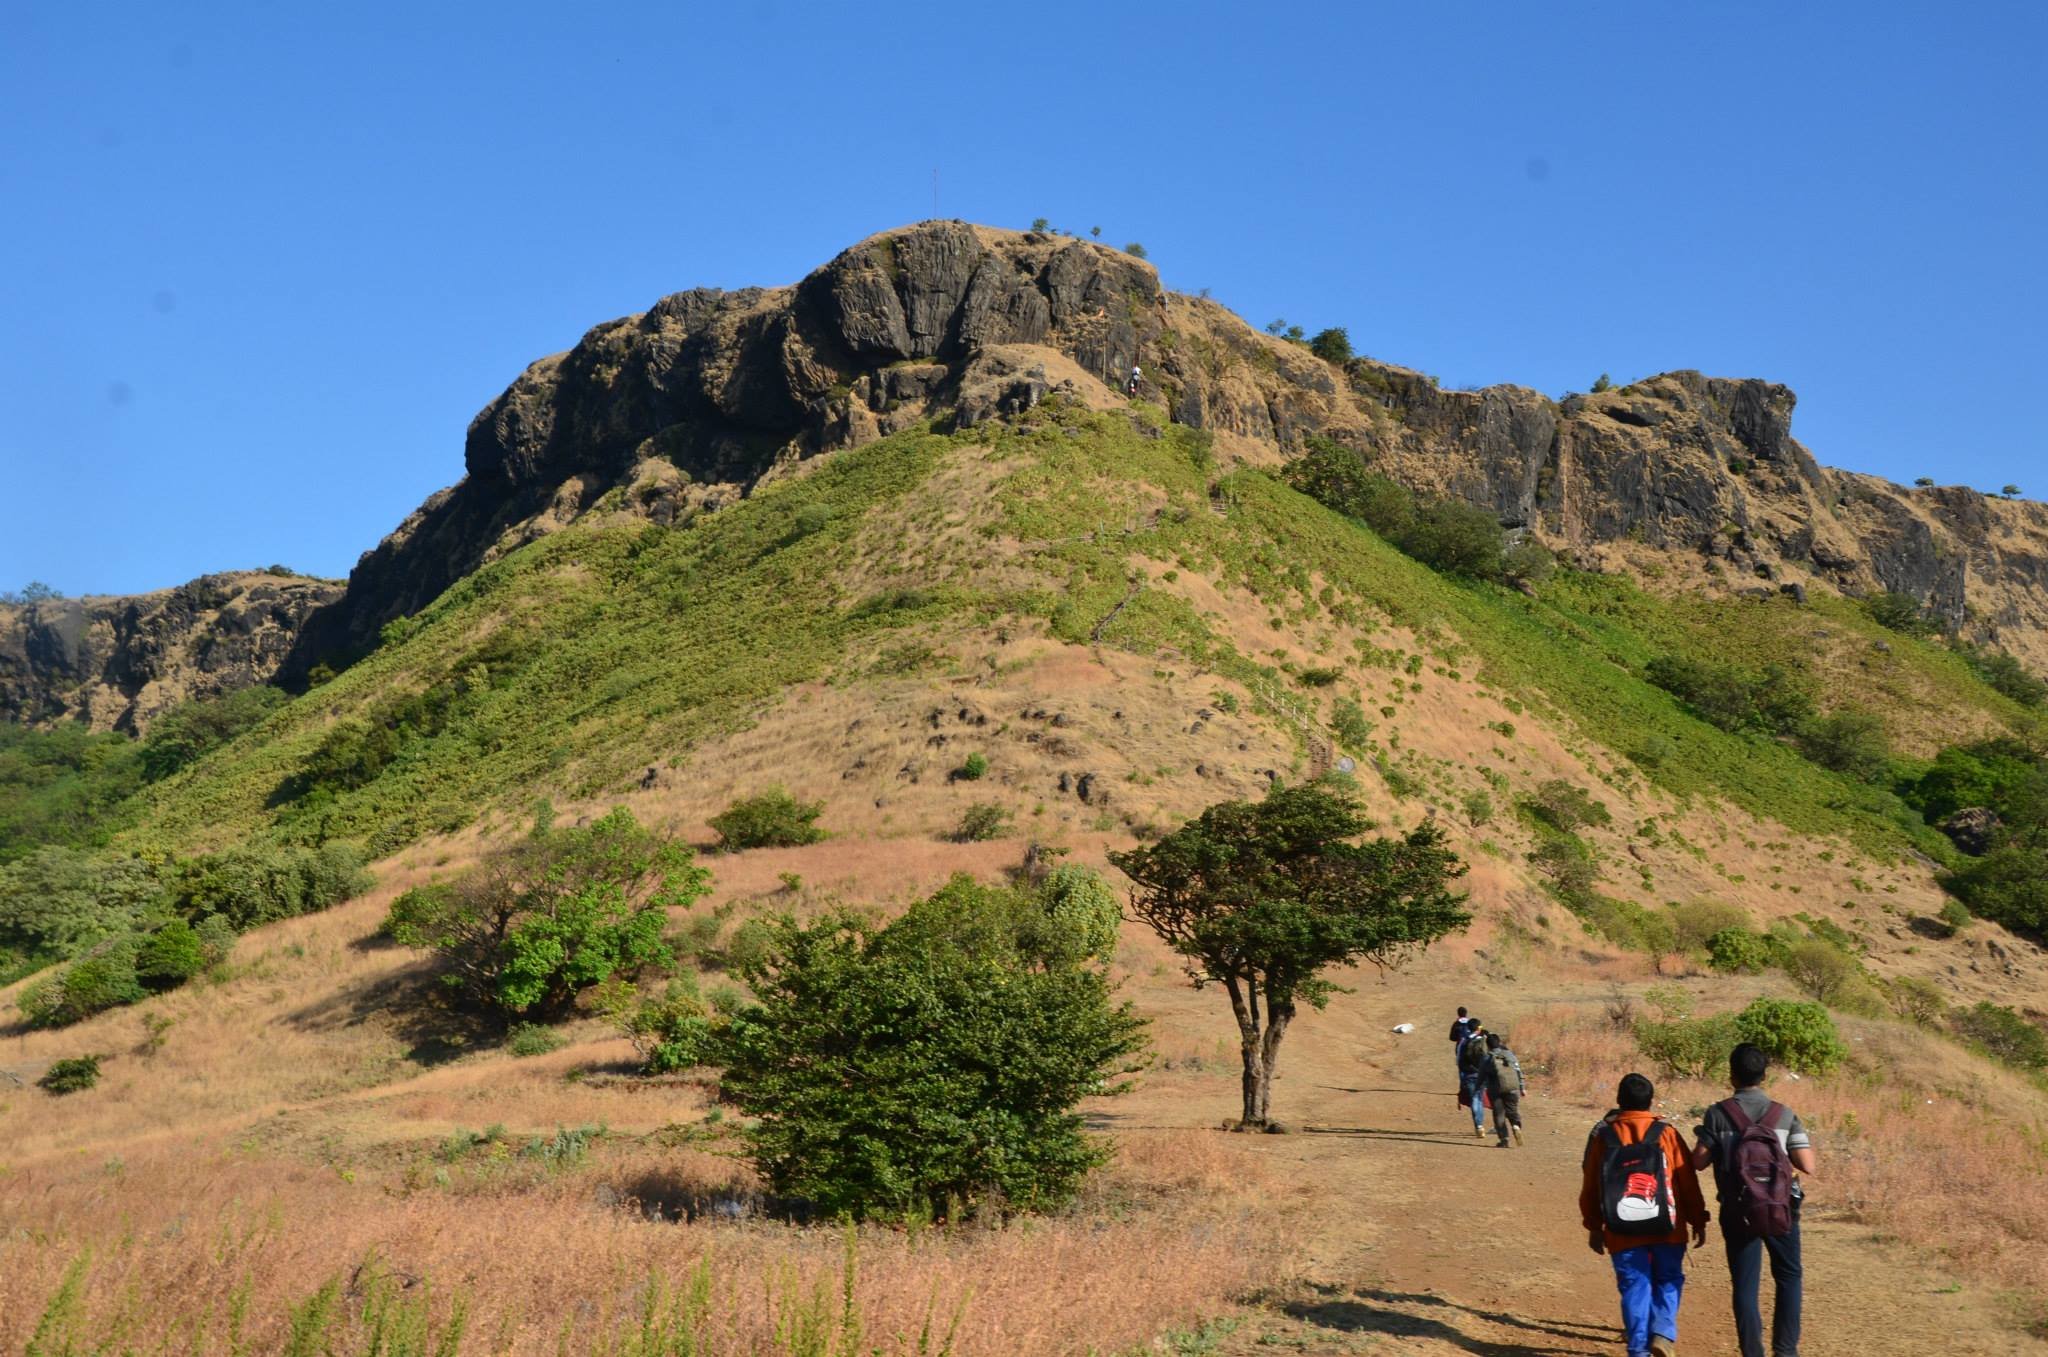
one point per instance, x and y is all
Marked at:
(117, 662)
(709, 392)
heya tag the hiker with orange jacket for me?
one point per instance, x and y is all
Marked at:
(1639, 1199)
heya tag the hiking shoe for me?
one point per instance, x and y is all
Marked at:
(1660, 1346)
(1479, 1131)
(1516, 1132)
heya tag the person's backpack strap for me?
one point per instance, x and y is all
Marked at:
(1773, 1116)
(1732, 1109)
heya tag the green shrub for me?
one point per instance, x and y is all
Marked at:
(670, 1031)
(1689, 1048)
(1820, 968)
(183, 735)
(524, 1039)
(1738, 951)
(64, 787)
(547, 917)
(1348, 720)
(1915, 1000)
(1446, 535)
(1697, 921)
(1901, 613)
(1319, 676)
(1955, 915)
(1566, 806)
(1568, 864)
(973, 769)
(1800, 1036)
(774, 819)
(2006, 675)
(1478, 808)
(103, 978)
(260, 884)
(2004, 1035)
(1849, 742)
(978, 1111)
(2009, 884)
(1773, 701)
(982, 821)
(170, 956)
(74, 1075)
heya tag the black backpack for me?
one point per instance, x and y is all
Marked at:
(1635, 1184)
(1472, 1055)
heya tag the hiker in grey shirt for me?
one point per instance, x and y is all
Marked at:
(1715, 1143)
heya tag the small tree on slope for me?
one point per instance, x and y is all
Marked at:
(1263, 897)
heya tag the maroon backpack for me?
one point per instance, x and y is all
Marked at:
(1759, 1175)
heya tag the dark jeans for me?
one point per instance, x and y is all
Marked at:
(1507, 1111)
(1745, 1273)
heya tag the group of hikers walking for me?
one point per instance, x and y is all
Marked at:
(1640, 1199)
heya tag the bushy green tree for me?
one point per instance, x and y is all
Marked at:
(1332, 345)
(2009, 884)
(773, 819)
(57, 900)
(1447, 535)
(102, 978)
(550, 915)
(1738, 951)
(1800, 1036)
(1010, 1035)
(1263, 897)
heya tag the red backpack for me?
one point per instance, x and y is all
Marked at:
(1759, 1173)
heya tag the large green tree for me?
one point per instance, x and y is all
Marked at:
(1263, 897)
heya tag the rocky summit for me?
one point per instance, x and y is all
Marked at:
(675, 412)
(115, 663)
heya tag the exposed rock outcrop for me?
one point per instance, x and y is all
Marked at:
(709, 392)
(115, 662)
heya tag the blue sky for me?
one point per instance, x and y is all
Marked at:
(260, 264)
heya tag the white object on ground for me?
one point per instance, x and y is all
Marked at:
(1404, 1028)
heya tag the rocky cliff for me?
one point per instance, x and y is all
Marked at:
(688, 406)
(692, 403)
(117, 662)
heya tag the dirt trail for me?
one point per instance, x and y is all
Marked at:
(1426, 1239)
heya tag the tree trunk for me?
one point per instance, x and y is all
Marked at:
(1244, 1004)
(1277, 1018)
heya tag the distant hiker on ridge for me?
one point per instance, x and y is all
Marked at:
(1754, 1145)
(1137, 375)
(1638, 1198)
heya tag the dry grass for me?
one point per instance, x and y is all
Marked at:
(175, 1235)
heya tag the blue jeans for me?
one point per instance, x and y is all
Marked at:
(1745, 1273)
(1468, 1087)
(1651, 1279)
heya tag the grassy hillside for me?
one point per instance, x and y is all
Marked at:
(573, 664)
